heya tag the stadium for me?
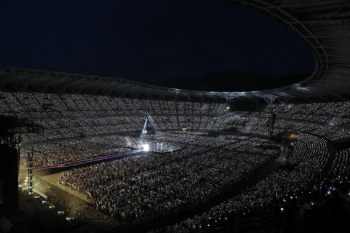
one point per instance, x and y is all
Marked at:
(84, 153)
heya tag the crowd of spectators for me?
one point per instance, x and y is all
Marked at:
(261, 126)
(61, 152)
(73, 207)
(335, 113)
(71, 116)
(43, 105)
(148, 186)
(144, 187)
(273, 195)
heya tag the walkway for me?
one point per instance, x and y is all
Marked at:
(53, 179)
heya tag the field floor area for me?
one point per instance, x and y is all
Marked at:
(53, 180)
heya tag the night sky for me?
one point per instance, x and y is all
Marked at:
(147, 40)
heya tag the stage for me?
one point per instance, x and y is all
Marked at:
(157, 147)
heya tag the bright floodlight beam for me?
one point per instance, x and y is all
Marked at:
(153, 123)
(144, 129)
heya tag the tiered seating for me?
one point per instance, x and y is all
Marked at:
(61, 152)
(273, 193)
(336, 113)
(84, 126)
(154, 185)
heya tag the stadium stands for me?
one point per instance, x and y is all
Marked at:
(153, 186)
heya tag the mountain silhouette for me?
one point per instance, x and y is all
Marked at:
(232, 80)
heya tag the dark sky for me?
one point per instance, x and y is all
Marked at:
(147, 40)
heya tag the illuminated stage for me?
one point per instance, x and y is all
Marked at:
(157, 147)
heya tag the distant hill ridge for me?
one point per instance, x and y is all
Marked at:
(232, 80)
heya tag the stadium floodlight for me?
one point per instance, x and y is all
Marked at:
(145, 147)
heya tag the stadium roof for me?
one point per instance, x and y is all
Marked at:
(323, 24)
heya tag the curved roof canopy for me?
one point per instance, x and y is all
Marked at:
(323, 24)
